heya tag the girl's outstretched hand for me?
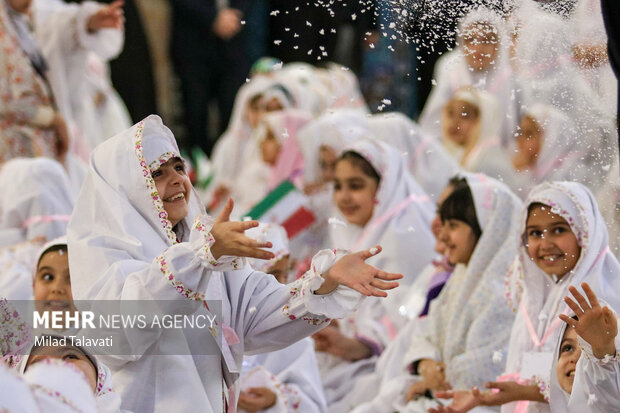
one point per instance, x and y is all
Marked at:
(109, 17)
(230, 238)
(597, 325)
(352, 271)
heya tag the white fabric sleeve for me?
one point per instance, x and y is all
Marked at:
(597, 381)
(274, 316)
(106, 43)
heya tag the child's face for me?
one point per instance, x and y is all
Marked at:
(567, 361)
(68, 354)
(459, 120)
(273, 105)
(354, 193)
(255, 112)
(174, 189)
(280, 270)
(327, 163)
(550, 242)
(436, 224)
(52, 285)
(270, 148)
(480, 46)
(530, 138)
(459, 240)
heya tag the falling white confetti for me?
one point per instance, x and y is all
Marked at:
(308, 23)
(277, 42)
(591, 399)
(353, 16)
(411, 229)
(497, 357)
(252, 310)
(335, 221)
(542, 317)
(386, 101)
(374, 251)
(242, 22)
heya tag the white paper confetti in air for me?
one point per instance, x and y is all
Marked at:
(335, 221)
(374, 250)
(252, 310)
(277, 42)
(497, 357)
(386, 101)
(542, 317)
(591, 399)
(285, 134)
(353, 16)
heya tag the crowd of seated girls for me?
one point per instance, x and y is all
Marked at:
(467, 262)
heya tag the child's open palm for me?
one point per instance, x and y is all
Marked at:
(597, 325)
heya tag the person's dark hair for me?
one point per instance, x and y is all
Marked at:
(53, 248)
(359, 161)
(460, 206)
(456, 181)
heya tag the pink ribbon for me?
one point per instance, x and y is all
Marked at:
(46, 219)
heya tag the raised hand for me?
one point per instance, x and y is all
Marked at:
(230, 238)
(227, 23)
(596, 325)
(256, 399)
(352, 271)
(109, 17)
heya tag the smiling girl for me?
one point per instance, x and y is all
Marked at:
(564, 242)
(140, 233)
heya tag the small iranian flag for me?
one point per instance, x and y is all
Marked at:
(287, 206)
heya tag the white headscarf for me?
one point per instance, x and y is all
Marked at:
(344, 88)
(487, 130)
(533, 294)
(561, 152)
(453, 73)
(469, 320)
(428, 162)
(334, 129)
(401, 219)
(37, 200)
(552, 77)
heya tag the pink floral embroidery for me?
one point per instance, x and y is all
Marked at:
(157, 163)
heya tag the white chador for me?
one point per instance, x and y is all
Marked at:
(596, 388)
(456, 330)
(123, 247)
(61, 31)
(536, 298)
(428, 162)
(292, 374)
(36, 205)
(453, 73)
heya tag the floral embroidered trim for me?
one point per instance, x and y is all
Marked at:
(204, 229)
(101, 378)
(297, 291)
(157, 163)
(54, 393)
(543, 387)
(150, 185)
(178, 285)
(18, 335)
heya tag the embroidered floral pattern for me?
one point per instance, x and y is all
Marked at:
(54, 393)
(178, 285)
(165, 157)
(17, 334)
(297, 291)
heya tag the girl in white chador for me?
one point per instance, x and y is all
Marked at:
(139, 233)
(481, 61)
(586, 366)
(36, 205)
(375, 198)
(280, 158)
(564, 242)
(456, 346)
(424, 290)
(428, 162)
(286, 380)
(550, 76)
(548, 148)
(68, 34)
